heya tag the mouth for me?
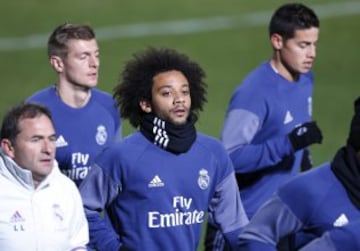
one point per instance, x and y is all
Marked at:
(47, 161)
(180, 112)
(308, 64)
(93, 75)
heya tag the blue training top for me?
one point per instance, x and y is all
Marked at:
(263, 110)
(337, 239)
(309, 205)
(157, 200)
(81, 132)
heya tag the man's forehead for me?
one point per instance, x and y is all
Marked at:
(40, 123)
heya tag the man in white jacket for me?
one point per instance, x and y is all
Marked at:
(41, 209)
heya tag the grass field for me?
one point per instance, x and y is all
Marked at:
(228, 38)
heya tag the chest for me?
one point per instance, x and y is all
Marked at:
(39, 221)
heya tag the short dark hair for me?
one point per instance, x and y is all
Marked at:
(57, 43)
(137, 80)
(291, 17)
(10, 125)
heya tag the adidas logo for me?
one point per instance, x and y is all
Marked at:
(156, 182)
(288, 117)
(342, 220)
(16, 217)
(61, 142)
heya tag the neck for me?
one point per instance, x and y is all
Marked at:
(74, 97)
(284, 71)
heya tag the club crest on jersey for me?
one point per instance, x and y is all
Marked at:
(58, 217)
(57, 212)
(101, 135)
(204, 179)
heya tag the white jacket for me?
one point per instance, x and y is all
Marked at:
(48, 218)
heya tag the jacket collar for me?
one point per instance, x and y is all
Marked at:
(23, 177)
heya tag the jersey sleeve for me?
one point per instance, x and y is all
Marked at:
(272, 222)
(240, 128)
(226, 209)
(336, 239)
(98, 190)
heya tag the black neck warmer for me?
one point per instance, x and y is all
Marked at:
(173, 138)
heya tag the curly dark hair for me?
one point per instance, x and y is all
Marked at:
(137, 79)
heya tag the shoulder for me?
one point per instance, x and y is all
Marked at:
(207, 140)
(211, 145)
(253, 90)
(64, 183)
(123, 151)
(103, 99)
(259, 74)
(102, 96)
(309, 188)
(42, 95)
(311, 182)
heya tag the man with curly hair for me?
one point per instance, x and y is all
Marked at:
(159, 183)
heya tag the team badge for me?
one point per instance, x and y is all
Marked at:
(58, 215)
(204, 179)
(101, 135)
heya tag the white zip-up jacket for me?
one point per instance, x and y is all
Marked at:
(47, 218)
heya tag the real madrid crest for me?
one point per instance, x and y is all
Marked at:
(204, 179)
(101, 135)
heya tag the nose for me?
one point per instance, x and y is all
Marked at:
(312, 51)
(178, 97)
(48, 146)
(94, 61)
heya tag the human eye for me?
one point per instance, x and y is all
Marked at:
(35, 139)
(304, 45)
(186, 92)
(83, 56)
(165, 92)
(52, 138)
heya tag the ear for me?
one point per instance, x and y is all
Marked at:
(145, 106)
(7, 147)
(57, 63)
(276, 41)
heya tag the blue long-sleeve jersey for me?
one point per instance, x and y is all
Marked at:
(311, 204)
(263, 110)
(337, 239)
(81, 132)
(157, 200)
